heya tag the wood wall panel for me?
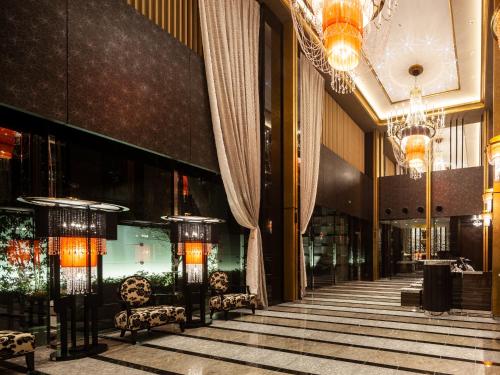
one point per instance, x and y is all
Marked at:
(180, 18)
(342, 135)
(342, 187)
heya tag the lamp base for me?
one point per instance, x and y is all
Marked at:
(79, 352)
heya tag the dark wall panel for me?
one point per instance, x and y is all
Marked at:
(458, 191)
(342, 187)
(399, 192)
(128, 79)
(202, 135)
(33, 56)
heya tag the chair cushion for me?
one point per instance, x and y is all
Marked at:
(16, 343)
(150, 316)
(135, 290)
(219, 281)
(232, 301)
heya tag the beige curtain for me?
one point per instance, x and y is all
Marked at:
(230, 34)
(312, 93)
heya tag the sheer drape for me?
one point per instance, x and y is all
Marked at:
(312, 93)
(230, 32)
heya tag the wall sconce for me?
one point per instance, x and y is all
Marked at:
(495, 24)
(488, 200)
(486, 216)
(493, 152)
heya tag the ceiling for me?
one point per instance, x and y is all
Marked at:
(444, 36)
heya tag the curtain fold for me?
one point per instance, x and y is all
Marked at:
(230, 35)
(311, 105)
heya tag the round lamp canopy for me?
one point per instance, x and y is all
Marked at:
(73, 203)
(192, 228)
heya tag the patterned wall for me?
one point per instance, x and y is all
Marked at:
(457, 191)
(33, 56)
(127, 78)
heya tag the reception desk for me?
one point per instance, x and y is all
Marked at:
(471, 290)
(444, 290)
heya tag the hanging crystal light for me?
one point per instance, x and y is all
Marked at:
(331, 34)
(411, 131)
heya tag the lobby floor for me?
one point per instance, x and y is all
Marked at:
(350, 328)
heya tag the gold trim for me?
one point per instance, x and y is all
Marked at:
(484, 133)
(428, 205)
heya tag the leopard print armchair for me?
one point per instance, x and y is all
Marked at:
(220, 301)
(136, 294)
(16, 344)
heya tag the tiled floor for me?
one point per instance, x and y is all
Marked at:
(349, 328)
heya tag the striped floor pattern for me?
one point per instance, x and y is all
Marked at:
(348, 328)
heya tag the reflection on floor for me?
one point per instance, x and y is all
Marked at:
(349, 328)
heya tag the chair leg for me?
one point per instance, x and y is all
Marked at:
(182, 325)
(253, 309)
(211, 313)
(122, 333)
(133, 337)
(226, 314)
(30, 361)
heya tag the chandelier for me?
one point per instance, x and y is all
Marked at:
(331, 34)
(411, 132)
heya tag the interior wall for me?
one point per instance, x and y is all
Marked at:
(180, 18)
(104, 67)
(342, 187)
(342, 135)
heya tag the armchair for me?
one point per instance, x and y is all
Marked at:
(16, 344)
(220, 301)
(139, 310)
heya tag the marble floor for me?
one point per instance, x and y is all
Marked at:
(348, 328)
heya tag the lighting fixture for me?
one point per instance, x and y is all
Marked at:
(194, 238)
(20, 253)
(495, 24)
(331, 34)
(486, 216)
(476, 221)
(412, 130)
(488, 200)
(8, 139)
(493, 152)
(76, 231)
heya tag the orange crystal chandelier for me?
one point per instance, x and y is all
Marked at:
(331, 34)
(411, 131)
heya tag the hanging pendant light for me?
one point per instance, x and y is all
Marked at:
(331, 34)
(343, 33)
(411, 132)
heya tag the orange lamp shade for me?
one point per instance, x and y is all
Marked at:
(19, 252)
(343, 33)
(73, 251)
(193, 252)
(415, 148)
(7, 143)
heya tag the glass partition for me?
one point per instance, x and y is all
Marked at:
(335, 248)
